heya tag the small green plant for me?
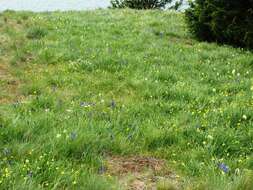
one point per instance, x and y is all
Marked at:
(36, 33)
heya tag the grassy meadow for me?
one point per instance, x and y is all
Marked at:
(121, 99)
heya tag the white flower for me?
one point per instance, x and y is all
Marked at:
(244, 117)
(233, 72)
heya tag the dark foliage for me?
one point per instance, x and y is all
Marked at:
(223, 21)
(144, 4)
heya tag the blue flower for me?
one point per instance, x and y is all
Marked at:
(73, 135)
(86, 104)
(113, 104)
(223, 167)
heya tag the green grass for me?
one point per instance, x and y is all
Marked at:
(95, 84)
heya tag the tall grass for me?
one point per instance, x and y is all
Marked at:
(121, 82)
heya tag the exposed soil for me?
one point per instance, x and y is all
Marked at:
(8, 85)
(140, 173)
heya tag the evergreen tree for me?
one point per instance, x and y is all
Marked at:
(223, 21)
(144, 4)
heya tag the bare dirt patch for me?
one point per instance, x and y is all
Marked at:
(8, 85)
(140, 173)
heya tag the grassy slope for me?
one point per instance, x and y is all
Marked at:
(177, 99)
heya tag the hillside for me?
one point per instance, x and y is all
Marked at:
(112, 99)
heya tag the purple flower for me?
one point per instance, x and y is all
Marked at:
(223, 167)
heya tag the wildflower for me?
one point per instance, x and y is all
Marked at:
(233, 72)
(58, 136)
(73, 135)
(244, 117)
(214, 90)
(113, 104)
(223, 167)
(74, 182)
(86, 104)
(47, 110)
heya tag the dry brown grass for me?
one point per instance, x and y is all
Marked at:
(140, 173)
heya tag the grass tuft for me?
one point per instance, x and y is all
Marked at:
(36, 33)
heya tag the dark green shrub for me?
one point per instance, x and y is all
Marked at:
(223, 21)
(144, 4)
